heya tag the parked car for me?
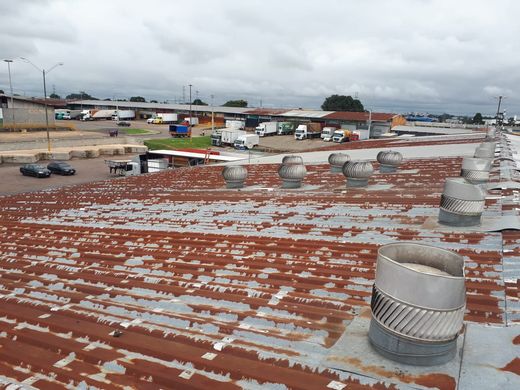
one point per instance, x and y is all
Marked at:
(61, 168)
(123, 123)
(35, 170)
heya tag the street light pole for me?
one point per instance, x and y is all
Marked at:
(212, 115)
(11, 88)
(44, 72)
(189, 124)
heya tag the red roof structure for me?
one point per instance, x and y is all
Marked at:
(360, 116)
(169, 280)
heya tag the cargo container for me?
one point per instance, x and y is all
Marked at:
(246, 141)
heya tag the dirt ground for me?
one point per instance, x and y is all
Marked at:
(87, 170)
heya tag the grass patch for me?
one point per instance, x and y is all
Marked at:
(179, 143)
(134, 131)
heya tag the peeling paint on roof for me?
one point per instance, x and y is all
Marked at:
(169, 280)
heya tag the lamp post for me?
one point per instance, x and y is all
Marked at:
(44, 72)
(11, 88)
(212, 115)
(189, 124)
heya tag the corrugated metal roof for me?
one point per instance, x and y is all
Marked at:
(168, 280)
(266, 111)
(360, 116)
(306, 114)
(160, 106)
(432, 130)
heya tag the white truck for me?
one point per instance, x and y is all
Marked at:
(123, 115)
(309, 130)
(229, 136)
(163, 118)
(235, 124)
(247, 141)
(267, 128)
(327, 133)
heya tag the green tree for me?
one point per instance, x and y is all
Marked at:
(199, 102)
(342, 103)
(138, 99)
(54, 96)
(235, 103)
(154, 101)
(82, 95)
(477, 119)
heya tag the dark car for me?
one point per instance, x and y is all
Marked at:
(123, 123)
(61, 168)
(35, 170)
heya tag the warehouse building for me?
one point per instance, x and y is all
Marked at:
(251, 116)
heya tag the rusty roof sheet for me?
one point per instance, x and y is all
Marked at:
(169, 280)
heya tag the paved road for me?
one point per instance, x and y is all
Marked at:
(88, 170)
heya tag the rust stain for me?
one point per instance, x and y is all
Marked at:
(433, 380)
(513, 366)
(516, 340)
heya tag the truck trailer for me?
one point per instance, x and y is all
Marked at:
(180, 131)
(123, 115)
(247, 141)
(309, 130)
(285, 128)
(229, 136)
(267, 128)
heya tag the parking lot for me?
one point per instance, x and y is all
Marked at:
(87, 170)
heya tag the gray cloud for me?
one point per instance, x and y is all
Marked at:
(399, 55)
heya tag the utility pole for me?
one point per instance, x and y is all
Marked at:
(196, 94)
(11, 88)
(212, 115)
(189, 124)
(499, 116)
(183, 94)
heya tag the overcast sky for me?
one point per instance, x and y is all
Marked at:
(406, 55)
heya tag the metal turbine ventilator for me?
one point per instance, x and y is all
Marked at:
(418, 303)
(475, 170)
(337, 160)
(491, 133)
(234, 175)
(485, 150)
(292, 171)
(389, 160)
(462, 203)
(357, 173)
